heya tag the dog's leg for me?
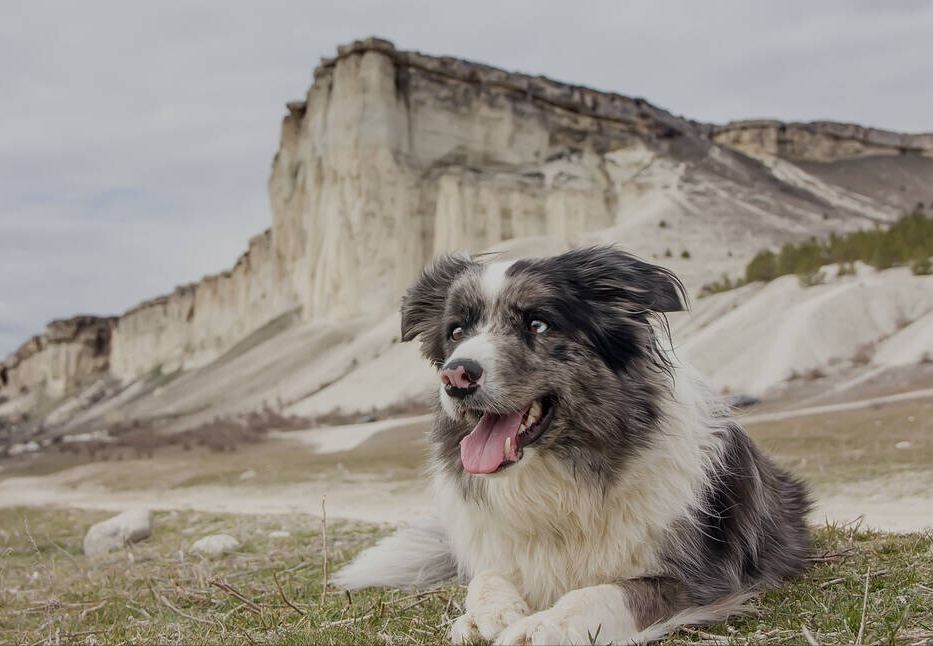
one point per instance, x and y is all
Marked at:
(636, 611)
(492, 603)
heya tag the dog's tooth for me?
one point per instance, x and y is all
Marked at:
(508, 446)
(521, 429)
(535, 409)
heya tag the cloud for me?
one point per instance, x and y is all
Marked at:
(136, 138)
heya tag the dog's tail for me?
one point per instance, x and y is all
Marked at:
(718, 611)
(416, 556)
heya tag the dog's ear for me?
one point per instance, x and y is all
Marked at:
(616, 294)
(423, 304)
(609, 274)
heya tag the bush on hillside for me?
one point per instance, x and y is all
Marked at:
(723, 285)
(921, 267)
(909, 241)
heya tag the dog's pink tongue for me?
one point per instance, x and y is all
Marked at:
(483, 450)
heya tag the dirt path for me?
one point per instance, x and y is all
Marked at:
(371, 494)
(376, 502)
(394, 502)
(835, 408)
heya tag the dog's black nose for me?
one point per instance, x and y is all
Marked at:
(461, 377)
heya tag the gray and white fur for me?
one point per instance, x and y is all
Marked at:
(625, 502)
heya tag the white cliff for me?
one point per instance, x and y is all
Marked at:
(60, 359)
(393, 157)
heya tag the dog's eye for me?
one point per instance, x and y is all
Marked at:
(538, 327)
(457, 333)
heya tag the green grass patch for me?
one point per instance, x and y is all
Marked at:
(909, 241)
(270, 590)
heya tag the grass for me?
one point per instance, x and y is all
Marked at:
(270, 590)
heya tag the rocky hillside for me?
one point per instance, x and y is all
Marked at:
(393, 157)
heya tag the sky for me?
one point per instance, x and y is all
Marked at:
(136, 139)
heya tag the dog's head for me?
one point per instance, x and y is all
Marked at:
(554, 354)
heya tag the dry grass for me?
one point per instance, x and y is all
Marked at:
(853, 446)
(406, 408)
(270, 590)
(394, 455)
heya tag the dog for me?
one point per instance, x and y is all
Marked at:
(588, 485)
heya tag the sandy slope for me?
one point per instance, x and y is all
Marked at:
(747, 340)
(754, 338)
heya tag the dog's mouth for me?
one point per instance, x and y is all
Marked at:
(498, 441)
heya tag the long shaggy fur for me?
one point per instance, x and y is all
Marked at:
(416, 556)
(641, 506)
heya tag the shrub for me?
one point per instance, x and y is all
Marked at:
(921, 267)
(685, 254)
(813, 374)
(907, 241)
(812, 278)
(846, 269)
(762, 267)
(863, 354)
(723, 285)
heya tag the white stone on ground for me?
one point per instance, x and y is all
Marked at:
(279, 533)
(248, 475)
(215, 545)
(111, 534)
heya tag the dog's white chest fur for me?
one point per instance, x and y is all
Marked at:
(549, 534)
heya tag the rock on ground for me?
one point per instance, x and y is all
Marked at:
(129, 527)
(215, 545)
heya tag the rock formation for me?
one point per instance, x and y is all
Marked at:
(818, 141)
(70, 351)
(393, 157)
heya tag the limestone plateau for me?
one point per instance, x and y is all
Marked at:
(395, 156)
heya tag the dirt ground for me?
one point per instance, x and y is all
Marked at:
(871, 459)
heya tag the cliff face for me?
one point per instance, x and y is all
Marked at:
(393, 157)
(196, 323)
(819, 141)
(69, 352)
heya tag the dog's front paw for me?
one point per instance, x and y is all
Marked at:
(470, 628)
(540, 628)
(596, 615)
(549, 627)
(464, 630)
(492, 603)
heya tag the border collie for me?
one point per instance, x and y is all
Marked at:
(588, 485)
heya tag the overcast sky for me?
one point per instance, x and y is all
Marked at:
(136, 137)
